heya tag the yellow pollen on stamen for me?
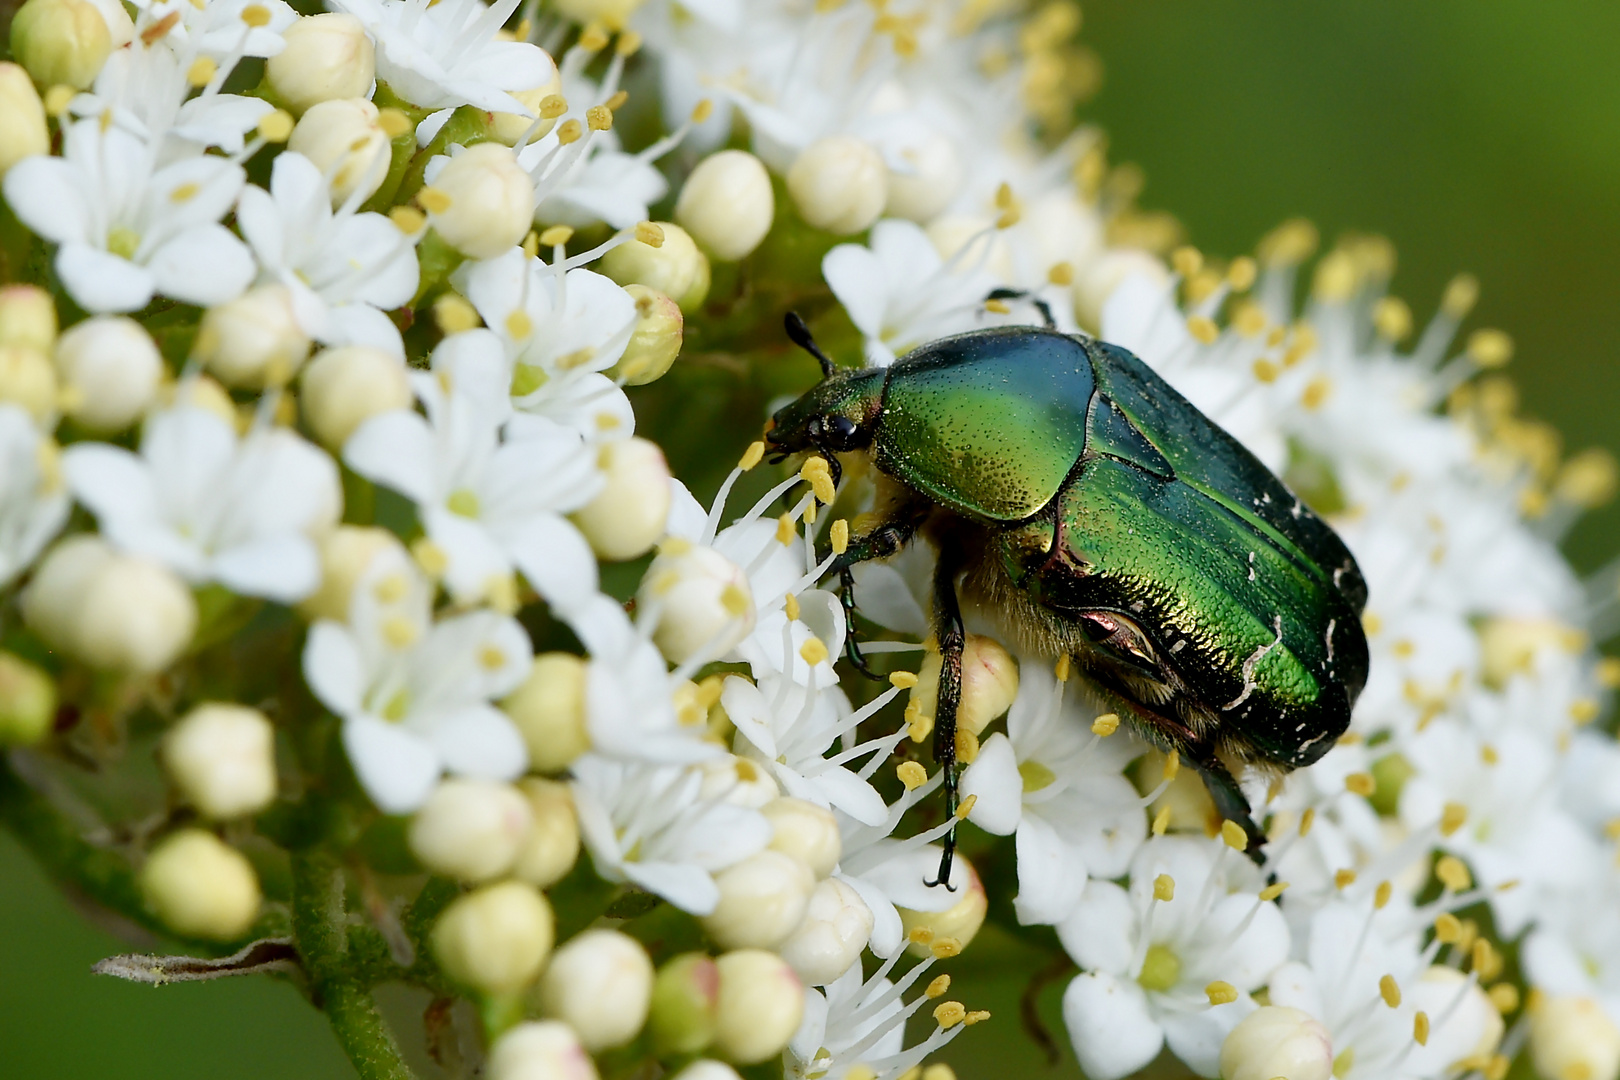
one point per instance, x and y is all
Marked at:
(552, 106)
(1392, 318)
(1105, 725)
(1186, 261)
(903, 680)
(463, 502)
(967, 746)
(629, 43)
(912, 775)
(975, 1016)
(944, 948)
(1061, 669)
(501, 591)
(1489, 348)
(1161, 820)
(569, 132)
(599, 117)
(518, 324)
(1271, 892)
(1306, 820)
(810, 512)
(453, 314)
(1172, 764)
(276, 126)
(1361, 784)
(256, 15)
(950, 1013)
(786, 530)
(57, 100)
(1460, 296)
(1452, 817)
(818, 475)
(1164, 888)
(1221, 992)
(1316, 392)
(394, 123)
(1249, 320)
(432, 558)
(971, 801)
(491, 658)
(734, 601)
(1504, 996)
(433, 200)
(398, 631)
(1583, 711)
(1453, 874)
(1381, 895)
(918, 723)
(1234, 836)
(391, 589)
(1389, 991)
(201, 71)
(999, 307)
(752, 456)
(1484, 958)
(649, 233)
(407, 219)
(813, 651)
(616, 102)
(1242, 273)
(556, 236)
(1447, 928)
(1488, 754)
(1060, 273)
(184, 193)
(1343, 879)
(593, 38)
(1420, 1028)
(702, 111)
(838, 536)
(790, 607)
(1203, 329)
(1265, 371)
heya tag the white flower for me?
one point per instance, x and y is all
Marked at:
(127, 229)
(1058, 787)
(344, 268)
(491, 506)
(33, 501)
(245, 513)
(217, 29)
(414, 694)
(1150, 960)
(439, 55)
(651, 825)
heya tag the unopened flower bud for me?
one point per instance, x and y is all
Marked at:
(703, 601)
(760, 1006)
(55, 595)
(921, 193)
(612, 14)
(347, 553)
(707, 1069)
(839, 184)
(601, 983)
(110, 610)
(675, 268)
(552, 846)
(805, 831)
(345, 140)
(27, 312)
(549, 711)
(199, 392)
(960, 921)
(470, 829)
(28, 380)
(223, 759)
(1097, 282)
(1277, 1041)
(110, 369)
(486, 201)
(253, 341)
(201, 887)
(543, 1050)
(836, 928)
(738, 781)
(762, 900)
(22, 119)
(27, 702)
(510, 127)
(627, 516)
(727, 205)
(495, 939)
(327, 57)
(685, 1004)
(1573, 1036)
(656, 341)
(989, 684)
(61, 41)
(346, 386)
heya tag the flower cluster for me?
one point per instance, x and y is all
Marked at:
(325, 342)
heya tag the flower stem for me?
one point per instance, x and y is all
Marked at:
(320, 929)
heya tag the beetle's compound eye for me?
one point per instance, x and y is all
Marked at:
(841, 431)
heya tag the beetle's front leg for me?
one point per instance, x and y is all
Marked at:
(951, 637)
(1229, 800)
(882, 542)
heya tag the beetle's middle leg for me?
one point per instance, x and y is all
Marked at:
(952, 638)
(887, 539)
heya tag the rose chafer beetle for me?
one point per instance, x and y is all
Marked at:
(1091, 511)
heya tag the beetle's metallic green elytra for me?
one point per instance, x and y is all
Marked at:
(1092, 511)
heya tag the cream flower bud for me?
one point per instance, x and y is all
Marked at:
(627, 516)
(550, 849)
(1573, 1036)
(28, 380)
(27, 702)
(601, 983)
(54, 597)
(253, 341)
(136, 616)
(549, 711)
(837, 925)
(703, 601)
(27, 313)
(327, 57)
(485, 203)
(61, 41)
(110, 370)
(656, 341)
(347, 552)
(344, 387)
(685, 1004)
(805, 831)
(762, 900)
(839, 184)
(495, 939)
(760, 1006)
(346, 142)
(738, 781)
(705, 1069)
(727, 205)
(1277, 1041)
(543, 1050)
(199, 392)
(510, 127)
(223, 759)
(201, 887)
(675, 268)
(612, 14)
(960, 921)
(989, 683)
(471, 829)
(928, 187)
(22, 118)
(1096, 283)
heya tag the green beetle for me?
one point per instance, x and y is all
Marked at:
(1093, 512)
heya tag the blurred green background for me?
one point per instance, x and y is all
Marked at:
(1479, 135)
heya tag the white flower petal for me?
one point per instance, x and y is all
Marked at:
(1109, 1025)
(996, 787)
(481, 742)
(100, 282)
(397, 768)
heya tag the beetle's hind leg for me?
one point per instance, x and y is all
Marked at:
(1024, 294)
(952, 638)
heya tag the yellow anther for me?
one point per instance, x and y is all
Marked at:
(276, 126)
(950, 1013)
(816, 472)
(838, 536)
(570, 132)
(1271, 892)
(1005, 197)
(593, 38)
(1221, 992)
(1060, 273)
(1172, 764)
(920, 935)
(786, 529)
(1242, 273)
(1161, 820)
(1484, 958)
(256, 15)
(944, 948)
(1452, 817)
(702, 111)
(599, 117)
(938, 987)
(552, 106)
(556, 236)
(1186, 261)
(1360, 783)
(902, 680)
(1164, 888)
(616, 102)
(1583, 710)
(752, 456)
(1061, 669)
(1381, 895)
(1289, 244)
(1488, 754)
(1303, 345)
(391, 589)
(1336, 277)
(399, 632)
(1497, 1067)
(790, 607)
(518, 324)
(1392, 318)
(971, 801)
(649, 233)
(1316, 392)
(1249, 320)
(810, 512)
(1420, 1028)
(629, 43)
(1390, 991)
(975, 1016)
(394, 123)
(1203, 329)
(1460, 296)
(1505, 996)
(1343, 879)
(201, 72)
(57, 99)
(1306, 820)
(1106, 724)
(453, 314)
(1453, 874)
(430, 557)
(1265, 371)
(999, 307)
(184, 193)
(912, 775)
(1490, 348)
(967, 746)
(735, 601)
(531, 245)
(1234, 836)
(1448, 928)
(491, 658)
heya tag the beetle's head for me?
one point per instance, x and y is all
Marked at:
(835, 416)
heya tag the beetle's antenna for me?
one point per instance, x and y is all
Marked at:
(1024, 294)
(799, 334)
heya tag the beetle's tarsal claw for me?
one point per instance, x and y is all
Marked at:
(942, 876)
